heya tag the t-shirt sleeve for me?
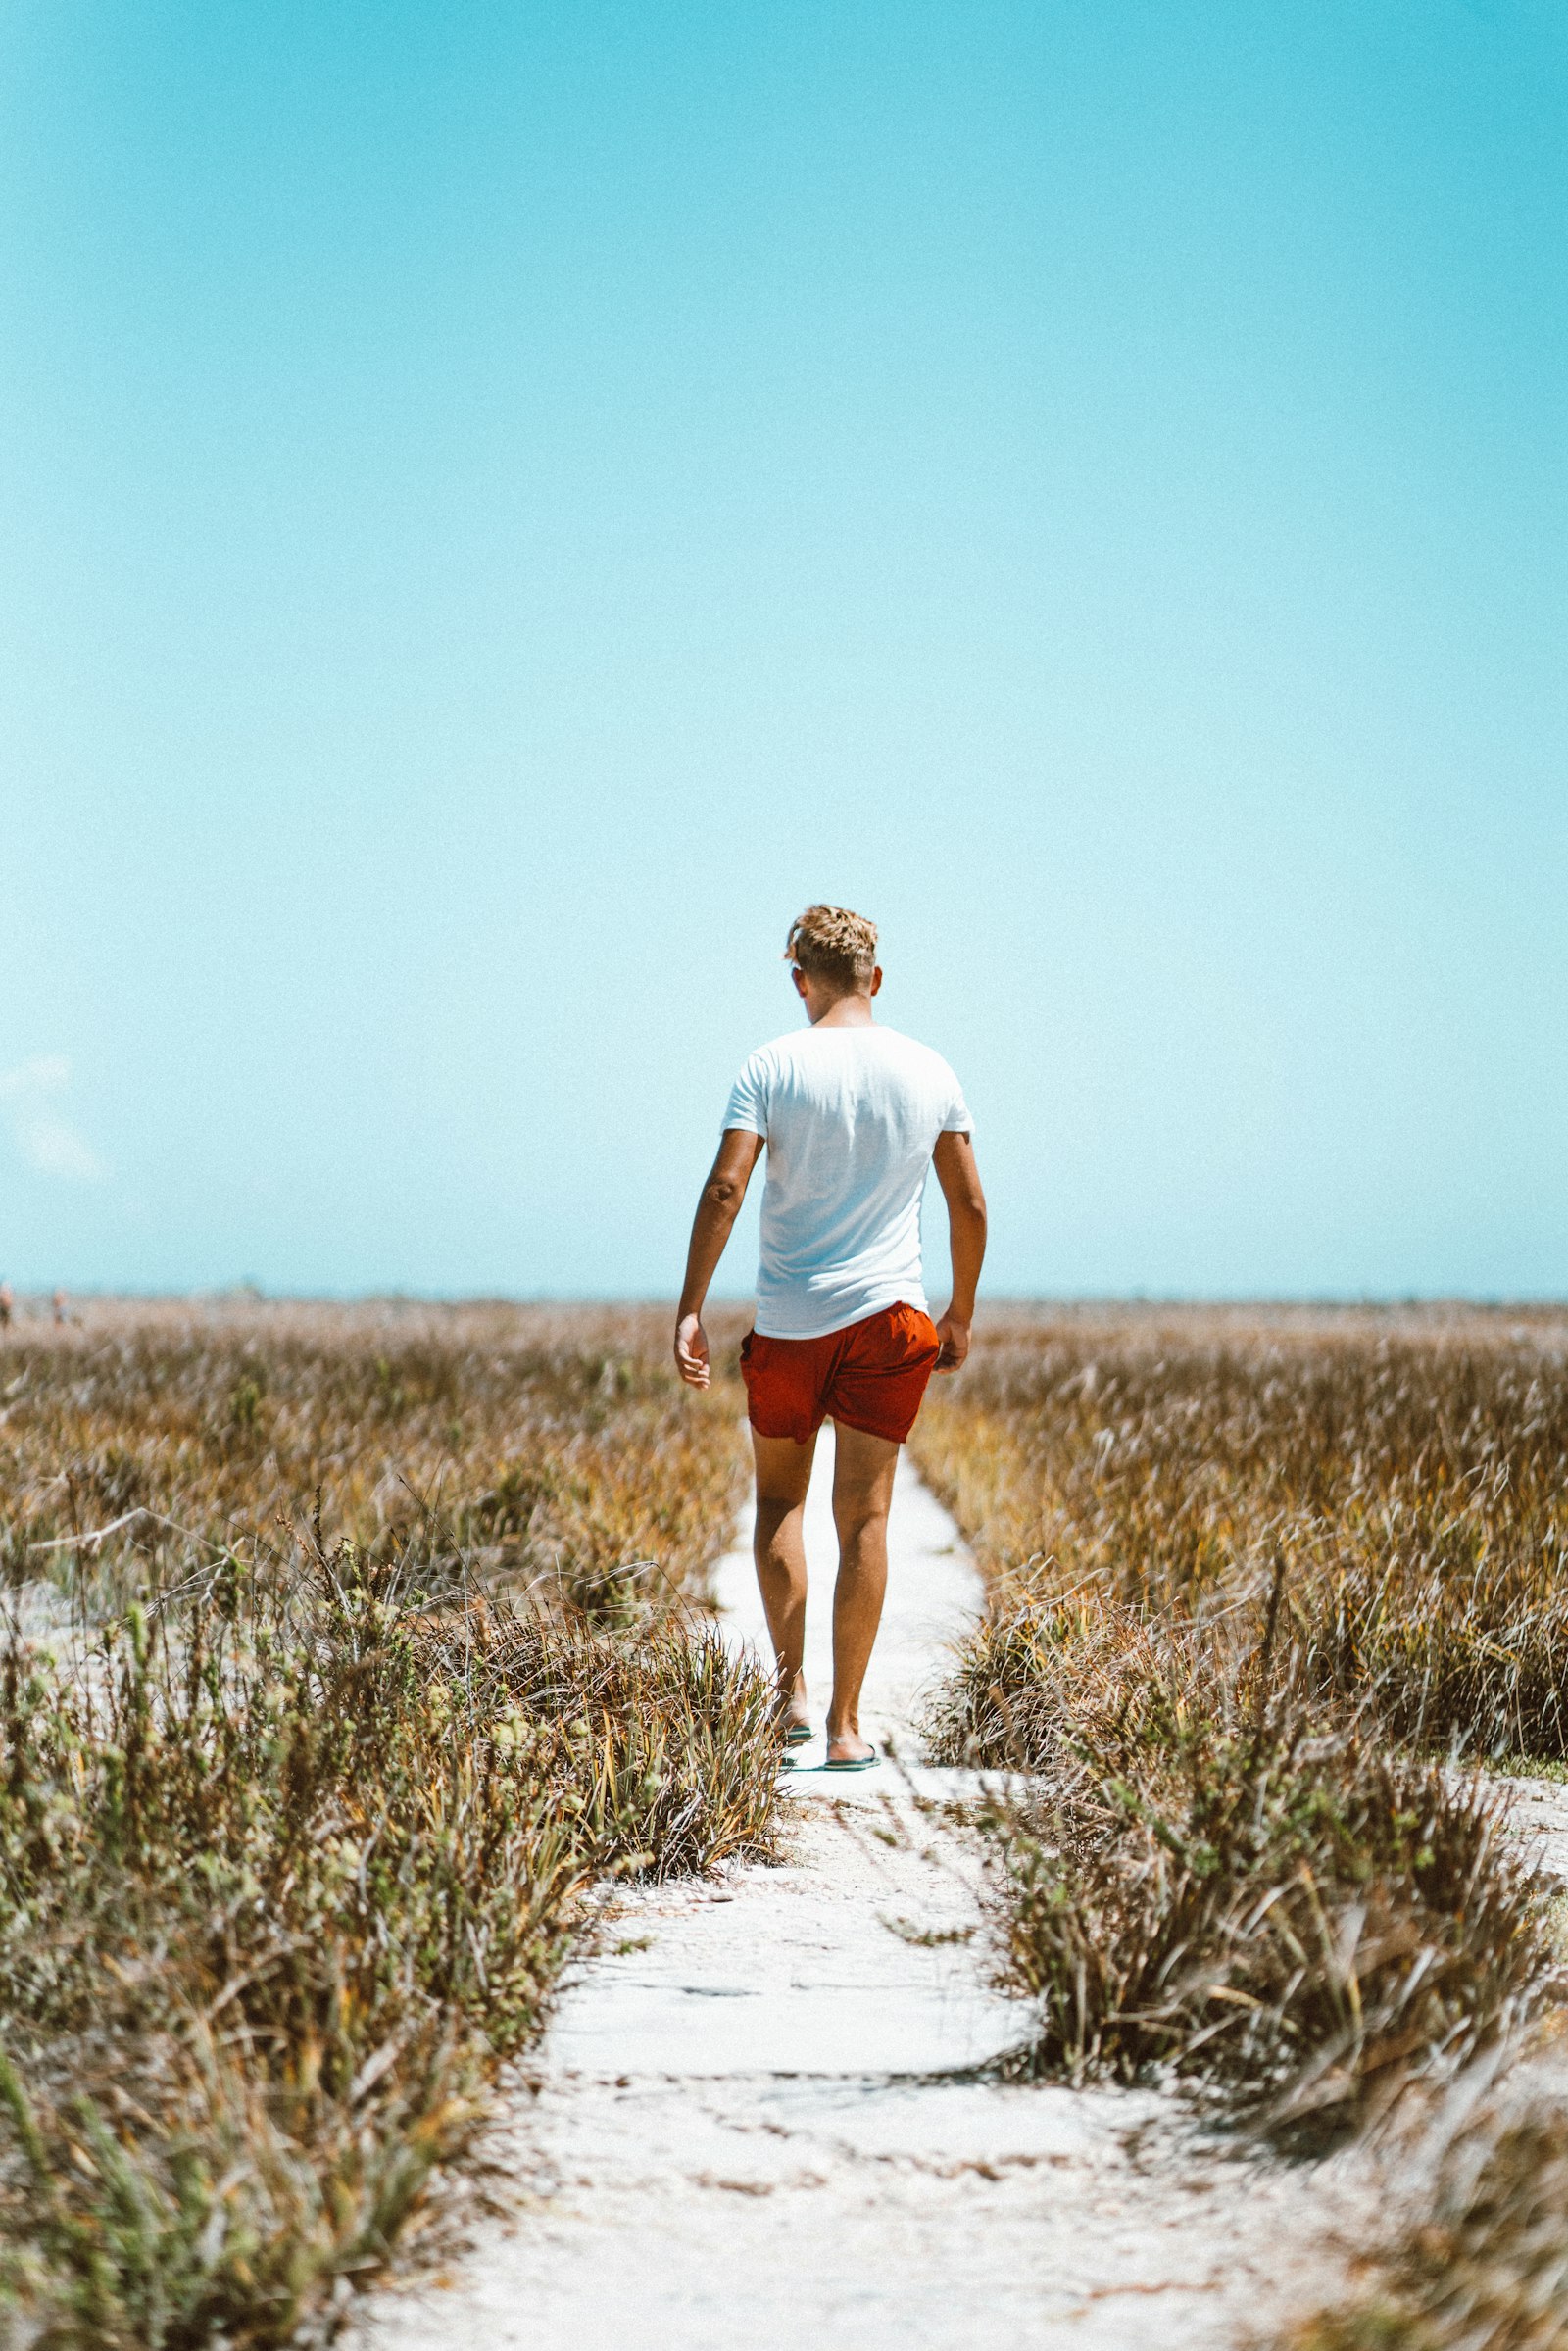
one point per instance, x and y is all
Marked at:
(955, 1118)
(748, 1098)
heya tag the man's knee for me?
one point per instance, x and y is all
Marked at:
(859, 1518)
(861, 1505)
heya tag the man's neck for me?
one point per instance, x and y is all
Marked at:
(851, 1011)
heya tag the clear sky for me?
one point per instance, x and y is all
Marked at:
(502, 504)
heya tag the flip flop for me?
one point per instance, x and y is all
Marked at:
(799, 1735)
(858, 1763)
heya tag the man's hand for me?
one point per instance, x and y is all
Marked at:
(955, 1337)
(691, 1351)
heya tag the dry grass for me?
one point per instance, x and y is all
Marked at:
(1221, 1882)
(294, 1845)
(1485, 2266)
(1410, 1471)
(530, 1443)
(1242, 1576)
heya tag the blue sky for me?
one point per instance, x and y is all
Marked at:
(503, 503)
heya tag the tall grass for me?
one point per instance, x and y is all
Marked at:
(1412, 1472)
(530, 1443)
(1241, 1579)
(1218, 1879)
(294, 1844)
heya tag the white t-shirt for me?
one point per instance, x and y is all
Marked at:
(851, 1117)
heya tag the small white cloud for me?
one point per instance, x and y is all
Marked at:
(54, 1149)
(45, 1073)
(47, 1141)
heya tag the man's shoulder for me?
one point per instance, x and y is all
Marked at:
(914, 1051)
(775, 1052)
(763, 1067)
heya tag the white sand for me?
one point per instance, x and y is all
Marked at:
(738, 2133)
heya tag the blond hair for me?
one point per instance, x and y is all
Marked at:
(830, 943)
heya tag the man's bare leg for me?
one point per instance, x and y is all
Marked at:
(778, 1546)
(862, 1494)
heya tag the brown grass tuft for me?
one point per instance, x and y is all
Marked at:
(1221, 1882)
(1485, 2265)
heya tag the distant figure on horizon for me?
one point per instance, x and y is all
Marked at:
(7, 1305)
(853, 1115)
(58, 1303)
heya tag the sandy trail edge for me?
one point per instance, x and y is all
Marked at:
(734, 2133)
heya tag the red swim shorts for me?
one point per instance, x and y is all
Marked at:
(869, 1376)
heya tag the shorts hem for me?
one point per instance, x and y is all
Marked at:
(775, 1436)
(864, 1428)
(840, 1420)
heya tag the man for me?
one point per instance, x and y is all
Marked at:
(853, 1115)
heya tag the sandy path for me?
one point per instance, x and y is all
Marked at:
(739, 2133)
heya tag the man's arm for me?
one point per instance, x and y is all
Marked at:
(720, 1203)
(960, 1178)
